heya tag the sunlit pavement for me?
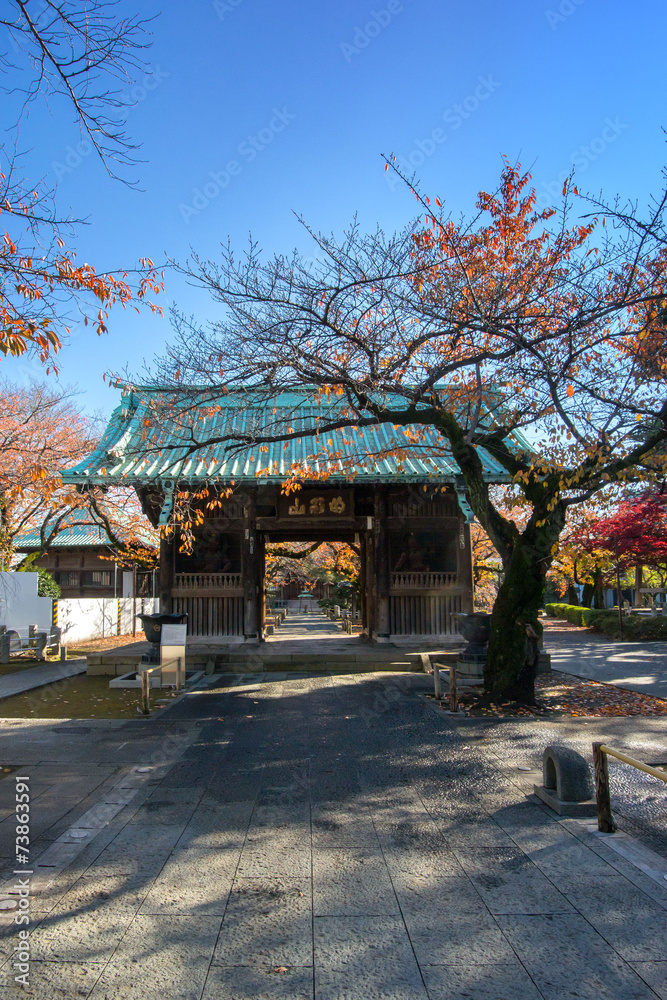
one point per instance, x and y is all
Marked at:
(639, 666)
(329, 837)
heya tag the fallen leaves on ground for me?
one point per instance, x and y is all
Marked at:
(563, 694)
(110, 642)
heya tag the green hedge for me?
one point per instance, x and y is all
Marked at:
(635, 627)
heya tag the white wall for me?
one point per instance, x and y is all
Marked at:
(19, 604)
(100, 617)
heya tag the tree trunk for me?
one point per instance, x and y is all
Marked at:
(587, 596)
(509, 672)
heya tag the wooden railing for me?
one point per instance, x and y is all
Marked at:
(422, 581)
(206, 583)
(601, 751)
(424, 614)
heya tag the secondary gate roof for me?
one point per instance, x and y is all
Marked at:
(194, 436)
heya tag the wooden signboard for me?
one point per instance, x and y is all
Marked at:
(325, 505)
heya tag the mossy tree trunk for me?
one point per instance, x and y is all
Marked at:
(510, 672)
(526, 556)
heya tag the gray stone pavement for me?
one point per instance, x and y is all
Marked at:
(338, 838)
(46, 673)
(639, 666)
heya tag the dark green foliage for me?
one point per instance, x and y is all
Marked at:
(47, 586)
(636, 628)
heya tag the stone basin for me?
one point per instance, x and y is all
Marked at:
(475, 628)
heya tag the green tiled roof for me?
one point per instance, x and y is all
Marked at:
(149, 437)
(79, 530)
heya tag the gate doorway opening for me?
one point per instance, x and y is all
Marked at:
(311, 590)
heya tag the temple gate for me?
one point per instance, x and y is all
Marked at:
(408, 515)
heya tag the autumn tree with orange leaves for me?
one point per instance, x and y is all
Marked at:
(41, 433)
(77, 53)
(332, 562)
(522, 333)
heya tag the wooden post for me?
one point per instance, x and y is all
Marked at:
(362, 582)
(620, 595)
(251, 580)
(382, 575)
(371, 591)
(453, 694)
(465, 574)
(605, 819)
(166, 574)
(145, 693)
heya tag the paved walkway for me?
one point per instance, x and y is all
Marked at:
(639, 666)
(334, 838)
(300, 627)
(47, 673)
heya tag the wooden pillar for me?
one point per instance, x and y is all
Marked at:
(371, 593)
(167, 546)
(466, 578)
(261, 559)
(381, 583)
(363, 597)
(251, 576)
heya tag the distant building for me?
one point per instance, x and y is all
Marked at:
(80, 558)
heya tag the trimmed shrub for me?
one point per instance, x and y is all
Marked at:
(636, 628)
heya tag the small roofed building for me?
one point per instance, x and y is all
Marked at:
(394, 492)
(84, 561)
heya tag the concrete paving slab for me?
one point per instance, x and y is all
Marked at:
(88, 935)
(192, 881)
(443, 896)
(268, 922)
(365, 958)
(565, 956)
(654, 975)
(160, 957)
(509, 882)
(352, 882)
(342, 825)
(51, 981)
(242, 983)
(630, 921)
(35, 677)
(266, 856)
(480, 982)
(457, 939)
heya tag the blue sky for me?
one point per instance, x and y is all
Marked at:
(253, 111)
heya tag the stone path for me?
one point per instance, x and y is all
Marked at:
(47, 673)
(638, 666)
(307, 627)
(333, 838)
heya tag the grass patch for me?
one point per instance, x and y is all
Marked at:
(79, 697)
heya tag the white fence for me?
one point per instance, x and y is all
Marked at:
(100, 617)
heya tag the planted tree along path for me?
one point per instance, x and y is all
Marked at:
(327, 837)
